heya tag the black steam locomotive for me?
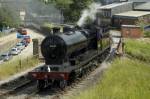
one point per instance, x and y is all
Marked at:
(67, 55)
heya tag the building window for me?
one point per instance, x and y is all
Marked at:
(107, 14)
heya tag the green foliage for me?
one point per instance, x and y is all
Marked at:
(125, 79)
(7, 18)
(71, 9)
(138, 48)
(142, 23)
(76, 8)
(63, 3)
(147, 33)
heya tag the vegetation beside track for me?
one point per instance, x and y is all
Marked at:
(147, 33)
(10, 68)
(139, 49)
(125, 79)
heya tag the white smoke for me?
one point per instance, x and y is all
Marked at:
(90, 12)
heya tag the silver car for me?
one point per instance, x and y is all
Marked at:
(20, 46)
(15, 51)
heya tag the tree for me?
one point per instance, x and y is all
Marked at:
(71, 9)
(76, 9)
(7, 18)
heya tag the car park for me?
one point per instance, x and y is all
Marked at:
(6, 56)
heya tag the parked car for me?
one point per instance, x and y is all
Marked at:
(19, 36)
(24, 43)
(6, 56)
(22, 31)
(15, 51)
(20, 46)
(12, 29)
(18, 50)
(27, 38)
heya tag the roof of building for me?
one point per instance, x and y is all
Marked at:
(139, 0)
(113, 5)
(145, 6)
(131, 26)
(133, 13)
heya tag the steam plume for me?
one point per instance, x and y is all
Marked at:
(90, 13)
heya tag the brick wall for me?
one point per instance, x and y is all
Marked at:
(129, 31)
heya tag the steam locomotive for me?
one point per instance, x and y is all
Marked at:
(67, 55)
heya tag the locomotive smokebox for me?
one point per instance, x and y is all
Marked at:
(53, 48)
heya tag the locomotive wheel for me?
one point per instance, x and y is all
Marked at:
(72, 77)
(62, 84)
(56, 83)
(85, 72)
(40, 84)
(81, 74)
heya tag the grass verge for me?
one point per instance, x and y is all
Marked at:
(10, 68)
(125, 79)
(138, 49)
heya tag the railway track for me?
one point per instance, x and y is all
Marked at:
(24, 87)
(14, 86)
